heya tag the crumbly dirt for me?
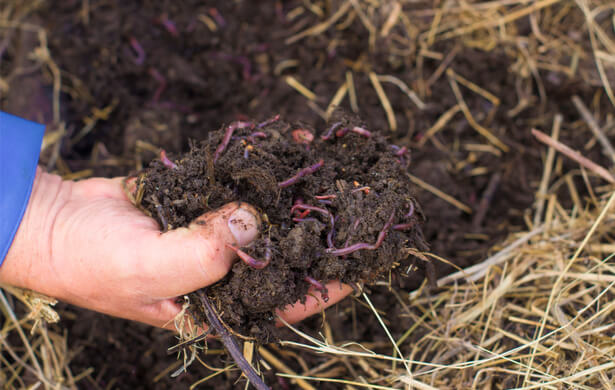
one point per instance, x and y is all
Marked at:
(358, 184)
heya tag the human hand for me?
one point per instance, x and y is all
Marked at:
(86, 244)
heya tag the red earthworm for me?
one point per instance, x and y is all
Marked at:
(165, 160)
(258, 134)
(362, 131)
(364, 189)
(168, 24)
(356, 129)
(163, 220)
(322, 211)
(402, 226)
(217, 17)
(411, 210)
(303, 172)
(402, 151)
(364, 245)
(330, 196)
(227, 137)
(162, 83)
(249, 260)
(330, 131)
(268, 121)
(311, 219)
(318, 286)
(302, 136)
(139, 59)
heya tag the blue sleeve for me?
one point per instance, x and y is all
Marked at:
(20, 145)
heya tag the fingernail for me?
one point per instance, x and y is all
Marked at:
(243, 225)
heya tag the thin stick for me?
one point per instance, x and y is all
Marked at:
(384, 100)
(352, 93)
(546, 173)
(445, 197)
(321, 27)
(231, 344)
(274, 361)
(302, 89)
(337, 99)
(405, 89)
(440, 123)
(466, 111)
(593, 126)
(473, 87)
(486, 198)
(576, 156)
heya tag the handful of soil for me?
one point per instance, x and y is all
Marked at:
(335, 205)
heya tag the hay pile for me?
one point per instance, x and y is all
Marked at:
(537, 313)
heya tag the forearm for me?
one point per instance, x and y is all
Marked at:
(27, 263)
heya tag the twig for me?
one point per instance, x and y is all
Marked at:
(230, 343)
(593, 126)
(546, 173)
(576, 156)
(466, 112)
(445, 197)
(384, 100)
(485, 201)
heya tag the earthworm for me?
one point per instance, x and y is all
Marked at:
(217, 17)
(402, 226)
(165, 160)
(302, 136)
(230, 343)
(329, 132)
(303, 172)
(411, 210)
(162, 83)
(168, 25)
(318, 286)
(362, 131)
(251, 261)
(311, 219)
(402, 151)
(364, 189)
(268, 122)
(364, 245)
(322, 211)
(356, 129)
(330, 196)
(139, 59)
(258, 134)
(163, 220)
(227, 137)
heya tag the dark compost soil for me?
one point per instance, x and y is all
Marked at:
(236, 72)
(335, 206)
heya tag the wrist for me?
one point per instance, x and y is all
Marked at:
(28, 261)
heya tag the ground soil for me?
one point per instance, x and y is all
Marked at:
(214, 78)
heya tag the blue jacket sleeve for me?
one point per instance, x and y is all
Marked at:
(20, 145)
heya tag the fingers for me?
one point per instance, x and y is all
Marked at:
(162, 313)
(186, 259)
(314, 303)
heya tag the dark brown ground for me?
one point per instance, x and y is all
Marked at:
(218, 77)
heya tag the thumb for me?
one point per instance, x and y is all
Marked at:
(186, 259)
